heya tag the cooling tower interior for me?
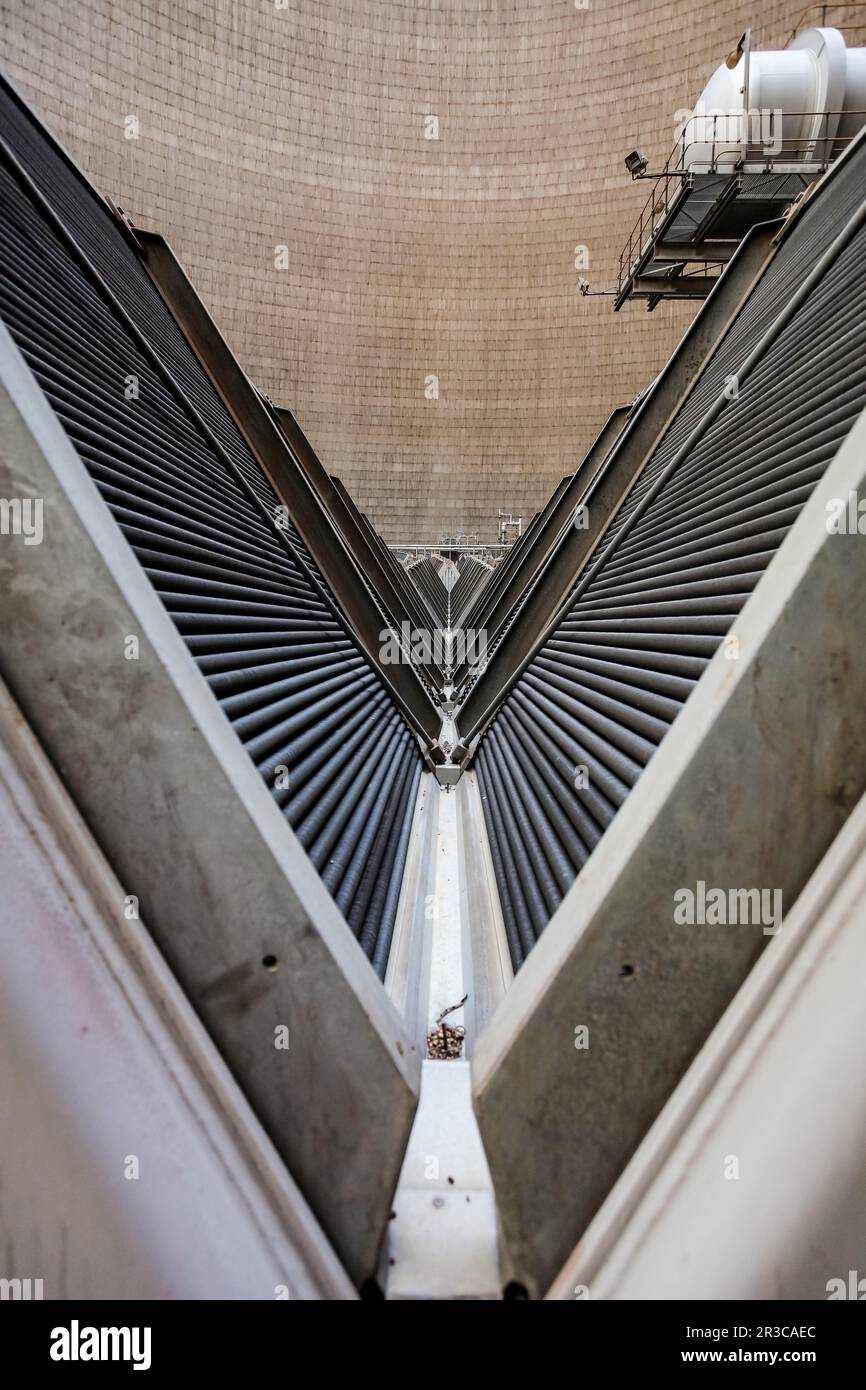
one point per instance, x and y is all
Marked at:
(432, 756)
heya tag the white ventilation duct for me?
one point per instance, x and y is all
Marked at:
(793, 107)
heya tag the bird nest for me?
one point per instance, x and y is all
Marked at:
(445, 1042)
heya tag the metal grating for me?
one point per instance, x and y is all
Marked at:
(474, 576)
(425, 575)
(605, 687)
(199, 514)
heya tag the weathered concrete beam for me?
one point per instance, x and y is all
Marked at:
(191, 831)
(104, 1064)
(719, 1202)
(764, 764)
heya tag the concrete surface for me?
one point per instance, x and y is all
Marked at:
(191, 831)
(765, 763)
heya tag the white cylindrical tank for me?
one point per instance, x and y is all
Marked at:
(794, 106)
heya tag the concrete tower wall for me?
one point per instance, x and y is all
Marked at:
(412, 251)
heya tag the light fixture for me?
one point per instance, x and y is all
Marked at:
(736, 54)
(636, 163)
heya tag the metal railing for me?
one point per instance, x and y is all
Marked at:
(814, 152)
(819, 14)
(481, 549)
(653, 213)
